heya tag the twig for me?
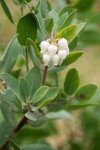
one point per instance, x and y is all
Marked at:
(26, 57)
(16, 129)
(44, 75)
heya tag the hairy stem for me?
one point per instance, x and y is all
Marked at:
(21, 10)
(15, 130)
(44, 75)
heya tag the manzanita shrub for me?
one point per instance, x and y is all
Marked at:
(48, 39)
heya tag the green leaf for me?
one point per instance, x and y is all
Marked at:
(34, 80)
(84, 5)
(22, 1)
(14, 145)
(69, 19)
(6, 10)
(86, 92)
(33, 56)
(68, 33)
(26, 28)
(58, 115)
(40, 93)
(80, 27)
(24, 88)
(73, 44)
(54, 15)
(44, 8)
(10, 56)
(49, 23)
(11, 82)
(5, 128)
(37, 147)
(71, 81)
(30, 116)
(7, 109)
(79, 106)
(62, 20)
(49, 96)
(38, 123)
(36, 50)
(68, 8)
(72, 57)
(90, 37)
(8, 97)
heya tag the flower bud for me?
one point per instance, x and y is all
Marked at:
(62, 54)
(56, 60)
(44, 45)
(63, 43)
(46, 59)
(52, 49)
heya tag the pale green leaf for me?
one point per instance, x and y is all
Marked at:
(24, 88)
(34, 80)
(40, 93)
(68, 33)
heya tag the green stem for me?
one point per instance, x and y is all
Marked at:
(26, 57)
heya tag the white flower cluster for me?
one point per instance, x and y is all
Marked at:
(55, 52)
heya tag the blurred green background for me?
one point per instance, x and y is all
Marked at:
(82, 131)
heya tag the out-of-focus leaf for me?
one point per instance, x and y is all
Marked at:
(68, 9)
(90, 37)
(71, 81)
(14, 145)
(30, 116)
(37, 147)
(10, 56)
(86, 92)
(5, 129)
(6, 10)
(58, 115)
(79, 106)
(84, 5)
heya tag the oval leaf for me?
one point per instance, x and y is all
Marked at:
(26, 28)
(71, 81)
(34, 80)
(72, 57)
(86, 92)
(39, 94)
(24, 88)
